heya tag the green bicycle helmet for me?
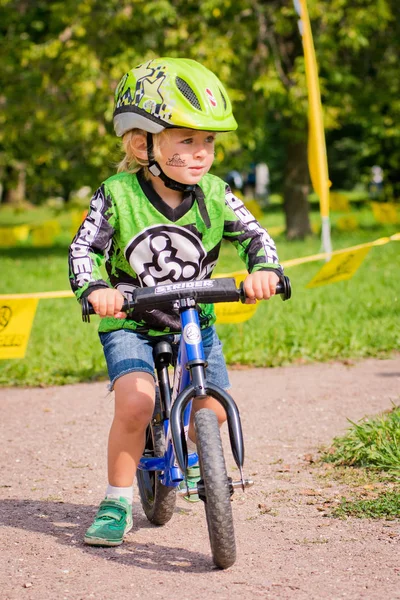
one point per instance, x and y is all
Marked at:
(172, 92)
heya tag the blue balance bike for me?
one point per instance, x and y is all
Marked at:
(166, 459)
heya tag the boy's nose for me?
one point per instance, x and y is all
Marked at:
(201, 151)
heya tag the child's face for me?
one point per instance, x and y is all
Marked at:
(186, 155)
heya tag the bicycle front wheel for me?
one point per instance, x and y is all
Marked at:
(216, 488)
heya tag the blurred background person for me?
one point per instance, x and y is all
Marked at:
(262, 184)
(235, 181)
(376, 183)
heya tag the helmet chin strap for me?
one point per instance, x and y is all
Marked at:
(156, 170)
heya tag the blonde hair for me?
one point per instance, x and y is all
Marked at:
(131, 163)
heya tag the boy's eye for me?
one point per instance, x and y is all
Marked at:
(210, 139)
(187, 141)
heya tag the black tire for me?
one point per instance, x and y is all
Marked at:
(216, 488)
(158, 501)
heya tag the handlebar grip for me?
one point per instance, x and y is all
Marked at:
(283, 288)
(87, 309)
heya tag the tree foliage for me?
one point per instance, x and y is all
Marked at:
(62, 60)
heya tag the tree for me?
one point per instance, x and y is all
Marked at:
(366, 68)
(62, 60)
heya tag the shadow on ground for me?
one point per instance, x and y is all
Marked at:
(67, 523)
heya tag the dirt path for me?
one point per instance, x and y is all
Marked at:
(53, 476)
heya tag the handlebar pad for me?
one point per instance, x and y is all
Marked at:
(207, 291)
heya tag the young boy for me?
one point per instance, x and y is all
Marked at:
(161, 219)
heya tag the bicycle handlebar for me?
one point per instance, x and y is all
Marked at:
(206, 291)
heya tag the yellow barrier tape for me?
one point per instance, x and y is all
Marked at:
(287, 263)
(379, 242)
(16, 318)
(323, 255)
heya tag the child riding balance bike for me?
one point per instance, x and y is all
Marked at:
(160, 220)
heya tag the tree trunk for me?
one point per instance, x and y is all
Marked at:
(295, 191)
(15, 187)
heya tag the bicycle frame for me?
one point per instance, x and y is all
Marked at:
(190, 382)
(172, 475)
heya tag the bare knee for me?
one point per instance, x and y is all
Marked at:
(213, 405)
(134, 400)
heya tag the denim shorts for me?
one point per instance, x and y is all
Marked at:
(127, 351)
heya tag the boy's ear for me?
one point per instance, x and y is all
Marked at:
(139, 146)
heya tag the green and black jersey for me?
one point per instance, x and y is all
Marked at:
(145, 242)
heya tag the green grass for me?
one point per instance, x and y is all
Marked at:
(320, 324)
(385, 506)
(328, 322)
(367, 459)
(372, 442)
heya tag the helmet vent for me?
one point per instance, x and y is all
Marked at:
(223, 99)
(187, 91)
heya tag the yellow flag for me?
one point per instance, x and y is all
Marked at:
(254, 208)
(317, 161)
(77, 218)
(339, 202)
(348, 223)
(341, 266)
(385, 212)
(234, 312)
(277, 230)
(44, 234)
(9, 236)
(16, 318)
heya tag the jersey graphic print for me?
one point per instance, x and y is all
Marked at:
(261, 236)
(165, 254)
(93, 229)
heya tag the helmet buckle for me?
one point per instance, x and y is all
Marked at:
(154, 170)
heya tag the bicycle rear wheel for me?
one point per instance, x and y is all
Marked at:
(217, 501)
(158, 501)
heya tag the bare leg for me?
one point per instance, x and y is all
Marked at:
(134, 405)
(206, 403)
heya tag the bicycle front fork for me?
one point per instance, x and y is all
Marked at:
(234, 426)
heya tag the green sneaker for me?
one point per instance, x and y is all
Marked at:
(113, 520)
(193, 477)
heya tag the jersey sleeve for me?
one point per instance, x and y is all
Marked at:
(91, 244)
(254, 245)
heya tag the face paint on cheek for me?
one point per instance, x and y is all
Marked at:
(176, 161)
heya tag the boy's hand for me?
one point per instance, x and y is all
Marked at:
(107, 302)
(260, 285)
